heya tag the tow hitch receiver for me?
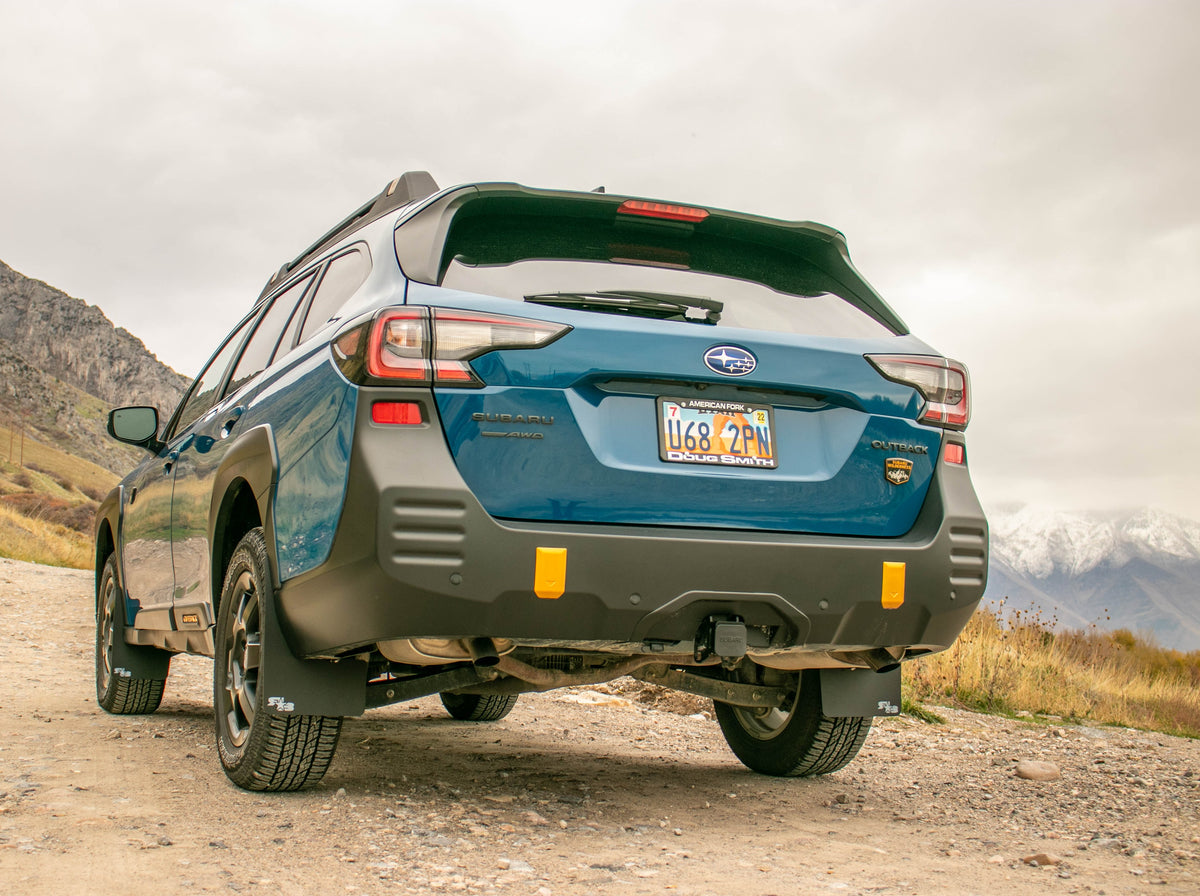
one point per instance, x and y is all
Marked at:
(722, 637)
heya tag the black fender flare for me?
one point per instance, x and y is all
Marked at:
(253, 459)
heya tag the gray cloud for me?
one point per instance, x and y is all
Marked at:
(1018, 178)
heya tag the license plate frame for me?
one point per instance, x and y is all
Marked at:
(685, 424)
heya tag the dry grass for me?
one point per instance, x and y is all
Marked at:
(39, 541)
(54, 471)
(1019, 664)
(47, 502)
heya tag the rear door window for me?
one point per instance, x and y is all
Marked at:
(343, 276)
(262, 344)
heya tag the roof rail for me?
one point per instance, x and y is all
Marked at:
(408, 187)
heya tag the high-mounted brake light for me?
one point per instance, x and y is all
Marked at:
(433, 346)
(662, 210)
(944, 384)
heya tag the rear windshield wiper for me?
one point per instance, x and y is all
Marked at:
(662, 305)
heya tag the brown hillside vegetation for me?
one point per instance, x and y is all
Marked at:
(1020, 665)
(48, 501)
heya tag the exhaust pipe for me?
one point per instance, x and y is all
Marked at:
(879, 659)
(483, 652)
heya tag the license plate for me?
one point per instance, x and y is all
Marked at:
(716, 433)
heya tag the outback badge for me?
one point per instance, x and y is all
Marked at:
(897, 470)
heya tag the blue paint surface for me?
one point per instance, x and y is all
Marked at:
(311, 411)
(599, 460)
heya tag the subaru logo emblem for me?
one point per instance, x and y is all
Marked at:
(729, 360)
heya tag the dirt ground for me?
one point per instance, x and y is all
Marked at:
(588, 791)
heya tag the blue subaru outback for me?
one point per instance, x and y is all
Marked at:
(491, 440)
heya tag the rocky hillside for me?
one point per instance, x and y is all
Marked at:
(63, 364)
(1139, 571)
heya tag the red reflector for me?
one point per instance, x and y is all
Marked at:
(955, 454)
(662, 210)
(402, 413)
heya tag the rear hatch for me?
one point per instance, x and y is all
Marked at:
(703, 368)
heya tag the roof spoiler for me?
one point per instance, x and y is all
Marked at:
(410, 186)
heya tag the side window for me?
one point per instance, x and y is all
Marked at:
(343, 276)
(205, 391)
(262, 344)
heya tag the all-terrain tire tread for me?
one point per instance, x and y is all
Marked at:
(133, 696)
(479, 707)
(836, 742)
(811, 743)
(125, 694)
(284, 751)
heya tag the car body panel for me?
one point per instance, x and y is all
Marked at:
(417, 555)
(598, 461)
(378, 533)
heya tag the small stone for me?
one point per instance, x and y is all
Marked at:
(1034, 770)
(996, 860)
(534, 818)
(1041, 858)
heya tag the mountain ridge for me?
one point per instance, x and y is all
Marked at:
(1133, 569)
(63, 363)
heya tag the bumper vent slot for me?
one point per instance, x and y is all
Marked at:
(423, 533)
(968, 556)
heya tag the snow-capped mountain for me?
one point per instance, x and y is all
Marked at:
(1139, 571)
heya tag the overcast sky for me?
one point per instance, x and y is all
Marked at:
(1021, 180)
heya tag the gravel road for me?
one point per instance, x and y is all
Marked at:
(587, 791)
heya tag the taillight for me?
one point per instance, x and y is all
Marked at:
(433, 346)
(944, 384)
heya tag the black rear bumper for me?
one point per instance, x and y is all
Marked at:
(417, 556)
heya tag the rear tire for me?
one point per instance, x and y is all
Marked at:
(795, 740)
(118, 690)
(479, 707)
(259, 749)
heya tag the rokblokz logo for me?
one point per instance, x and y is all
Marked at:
(729, 360)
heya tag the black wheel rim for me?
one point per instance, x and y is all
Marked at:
(106, 632)
(242, 660)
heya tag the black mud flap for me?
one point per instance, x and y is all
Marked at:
(860, 692)
(137, 660)
(307, 687)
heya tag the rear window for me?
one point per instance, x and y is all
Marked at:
(639, 269)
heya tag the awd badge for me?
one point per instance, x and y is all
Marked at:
(897, 470)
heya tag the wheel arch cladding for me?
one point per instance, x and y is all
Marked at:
(105, 546)
(240, 499)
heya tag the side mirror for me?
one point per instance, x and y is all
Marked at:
(135, 426)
